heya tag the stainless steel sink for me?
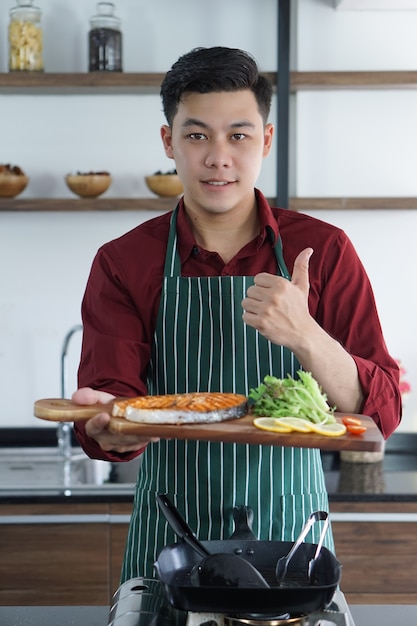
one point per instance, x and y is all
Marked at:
(42, 467)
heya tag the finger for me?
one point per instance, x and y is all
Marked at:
(300, 276)
(97, 424)
(256, 292)
(263, 279)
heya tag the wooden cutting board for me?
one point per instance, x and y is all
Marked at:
(239, 430)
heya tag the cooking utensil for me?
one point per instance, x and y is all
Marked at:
(313, 563)
(282, 563)
(295, 595)
(179, 525)
(233, 431)
(214, 570)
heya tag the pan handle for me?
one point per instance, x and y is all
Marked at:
(179, 525)
(243, 518)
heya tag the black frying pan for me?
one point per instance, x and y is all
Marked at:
(296, 594)
(221, 570)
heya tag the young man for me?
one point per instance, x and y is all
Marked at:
(215, 296)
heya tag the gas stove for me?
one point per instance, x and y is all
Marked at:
(141, 602)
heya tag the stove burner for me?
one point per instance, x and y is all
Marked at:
(141, 602)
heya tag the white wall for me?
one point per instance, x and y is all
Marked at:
(45, 257)
(363, 143)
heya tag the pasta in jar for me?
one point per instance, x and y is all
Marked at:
(25, 39)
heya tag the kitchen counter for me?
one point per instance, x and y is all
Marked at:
(364, 615)
(54, 615)
(394, 479)
(92, 494)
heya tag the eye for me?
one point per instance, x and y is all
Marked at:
(197, 136)
(238, 136)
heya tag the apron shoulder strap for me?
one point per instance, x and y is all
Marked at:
(280, 259)
(172, 265)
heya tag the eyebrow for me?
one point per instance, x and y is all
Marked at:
(192, 121)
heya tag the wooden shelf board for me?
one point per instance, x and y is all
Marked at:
(167, 204)
(149, 82)
(85, 83)
(353, 80)
(81, 83)
(87, 204)
(352, 204)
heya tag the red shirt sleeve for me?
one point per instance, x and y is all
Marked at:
(354, 321)
(342, 301)
(119, 312)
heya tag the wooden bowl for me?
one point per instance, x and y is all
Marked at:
(165, 185)
(88, 185)
(12, 184)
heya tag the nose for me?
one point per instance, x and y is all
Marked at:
(218, 156)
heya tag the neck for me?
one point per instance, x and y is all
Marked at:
(226, 233)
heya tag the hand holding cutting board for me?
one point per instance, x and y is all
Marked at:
(97, 427)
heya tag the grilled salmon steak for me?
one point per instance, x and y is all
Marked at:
(185, 408)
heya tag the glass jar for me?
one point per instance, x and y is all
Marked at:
(25, 38)
(105, 40)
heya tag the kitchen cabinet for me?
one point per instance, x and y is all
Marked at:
(376, 542)
(71, 554)
(114, 83)
(61, 554)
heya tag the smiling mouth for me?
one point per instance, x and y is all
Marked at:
(218, 183)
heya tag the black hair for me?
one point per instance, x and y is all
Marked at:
(205, 70)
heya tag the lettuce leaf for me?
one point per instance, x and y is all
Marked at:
(284, 397)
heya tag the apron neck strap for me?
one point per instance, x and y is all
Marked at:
(172, 265)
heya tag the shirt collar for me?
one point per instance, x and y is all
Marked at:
(269, 225)
(187, 244)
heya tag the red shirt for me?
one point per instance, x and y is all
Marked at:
(122, 296)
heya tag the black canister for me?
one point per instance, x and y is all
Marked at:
(105, 40)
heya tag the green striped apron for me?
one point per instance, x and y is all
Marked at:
(202, 344)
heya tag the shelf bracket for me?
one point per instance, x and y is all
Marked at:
(283, 102)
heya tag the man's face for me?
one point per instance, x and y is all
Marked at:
(218, 141)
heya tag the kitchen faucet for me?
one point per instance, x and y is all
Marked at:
(64, 429)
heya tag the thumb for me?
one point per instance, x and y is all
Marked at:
(87, 395)
(300, 276)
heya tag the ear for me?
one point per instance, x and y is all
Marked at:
(166, 136)
(268, 134)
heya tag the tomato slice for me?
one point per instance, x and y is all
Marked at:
(355, 429)
(350, 420)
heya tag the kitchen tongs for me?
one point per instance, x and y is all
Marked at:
(282, 563)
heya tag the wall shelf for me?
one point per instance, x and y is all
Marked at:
(352, 204)
(88, 83)
(87, 204)
(149, 82)
(303, 81)
(167, 204)
(80, 83)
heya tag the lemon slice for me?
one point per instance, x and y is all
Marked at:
(299, 424)
(271, 424)
(329, 430)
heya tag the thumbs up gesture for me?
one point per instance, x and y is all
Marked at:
(278, 308)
